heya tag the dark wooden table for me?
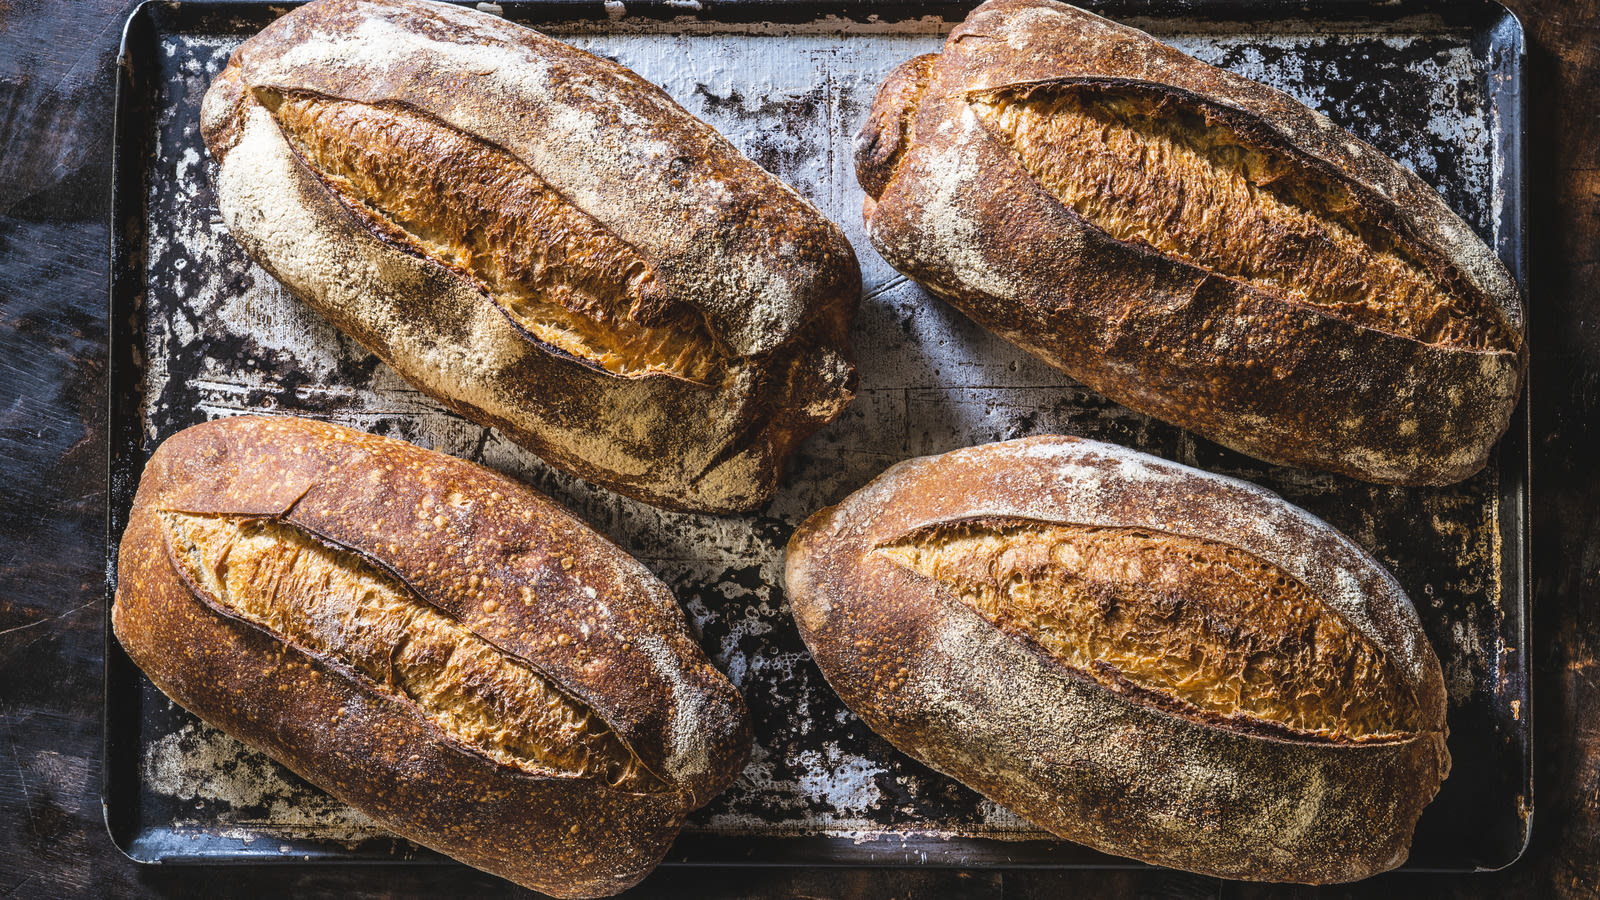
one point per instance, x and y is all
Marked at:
(57, 69)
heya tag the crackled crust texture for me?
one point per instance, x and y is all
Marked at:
(542, 241)
(1194, 245)
(337, 607)
(1070, 628)
(478, 210)
(1195, 625)
(1148, 169)
(433, 643)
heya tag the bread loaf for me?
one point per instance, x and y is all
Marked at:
(1135, 655)
(431, 642)
(1195, 245)
(541, 240)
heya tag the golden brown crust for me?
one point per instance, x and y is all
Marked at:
(1106, 760)
(478, 211)
(671, 332)
(1198, 626)
(1394, 353)
(1162, 168)
(887, 131)
(353, 617)
(497, 562)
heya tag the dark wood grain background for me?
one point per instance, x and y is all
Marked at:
(57, 70)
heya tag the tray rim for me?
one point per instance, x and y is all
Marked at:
(1499, 25)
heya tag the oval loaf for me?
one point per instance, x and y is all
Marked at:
(541, 240)
(1135, 655)
(429, 641)
(1193, 244)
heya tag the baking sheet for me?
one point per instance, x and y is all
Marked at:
(199, 332)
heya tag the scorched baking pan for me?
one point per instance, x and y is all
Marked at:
(199, 332)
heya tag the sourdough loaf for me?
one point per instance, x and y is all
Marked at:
(541, 240)
(1193, 244)
(431, 642)
(1135, 655)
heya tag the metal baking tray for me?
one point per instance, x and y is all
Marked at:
(199, 332)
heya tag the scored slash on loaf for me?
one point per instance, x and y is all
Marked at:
(542, 241)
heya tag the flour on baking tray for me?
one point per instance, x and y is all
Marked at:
(792, 100)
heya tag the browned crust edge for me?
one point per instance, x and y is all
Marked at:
(884, 137)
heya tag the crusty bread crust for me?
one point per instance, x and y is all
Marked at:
(776, 283)
(489, 553)
(1104, 764)
(950, 204)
